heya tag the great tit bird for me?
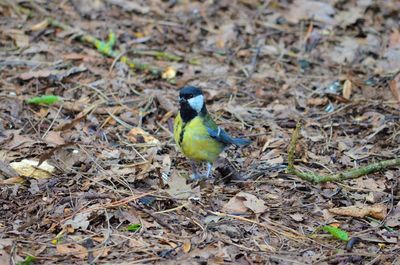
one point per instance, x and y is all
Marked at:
(195, 132)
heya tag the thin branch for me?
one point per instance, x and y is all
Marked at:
(349, 174)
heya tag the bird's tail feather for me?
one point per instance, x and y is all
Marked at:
(240, 141)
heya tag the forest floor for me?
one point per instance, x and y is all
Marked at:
(112, 187)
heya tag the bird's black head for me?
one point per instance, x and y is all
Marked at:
(191, 101)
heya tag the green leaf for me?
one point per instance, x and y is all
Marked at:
(29, 260)
(336, 232)
(46, 99)
(134, 227)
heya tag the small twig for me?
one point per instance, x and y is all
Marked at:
(155, 217)
(115, 204)
(173, 209)
(350, 174)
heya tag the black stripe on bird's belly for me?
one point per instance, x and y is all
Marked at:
(182, 133)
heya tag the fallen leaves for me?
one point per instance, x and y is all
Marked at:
(329, 63)
(347, 86)
(377, 211)
(138, 135)
(169, 73)
(243, 202)
(305, 9)
(32, 169)
(76, 250)
(52, 75)
(79, 221)
(178, 187)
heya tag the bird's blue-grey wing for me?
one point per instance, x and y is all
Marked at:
(221, 136)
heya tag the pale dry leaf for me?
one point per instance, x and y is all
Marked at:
(242, 202)
(235, 206)
(377, 211)
(52, 75)
(298, 217)
(308, 9)
(179, 189)
(40, 26)
(347, 86)
(80, 220)
(138, 135)
(30, 168)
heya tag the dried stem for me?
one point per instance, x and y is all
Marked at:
(350, 174)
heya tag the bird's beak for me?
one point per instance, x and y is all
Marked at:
(181, 100)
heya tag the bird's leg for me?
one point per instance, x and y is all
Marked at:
(196, 174)
(209, 167)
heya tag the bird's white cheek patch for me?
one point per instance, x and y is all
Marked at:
(197, 103)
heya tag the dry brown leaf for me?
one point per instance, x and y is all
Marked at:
(347, 86)
(377, 211)
(13, 180)
(101, 252)
(72, 249)
(187, 245)
(317, 101)
(138, 135)
(242, 202)
(54, 137)
(394, 87)
(53, 75)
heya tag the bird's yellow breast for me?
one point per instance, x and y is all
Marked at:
(194, 140)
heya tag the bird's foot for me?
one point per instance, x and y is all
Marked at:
(197, 176)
